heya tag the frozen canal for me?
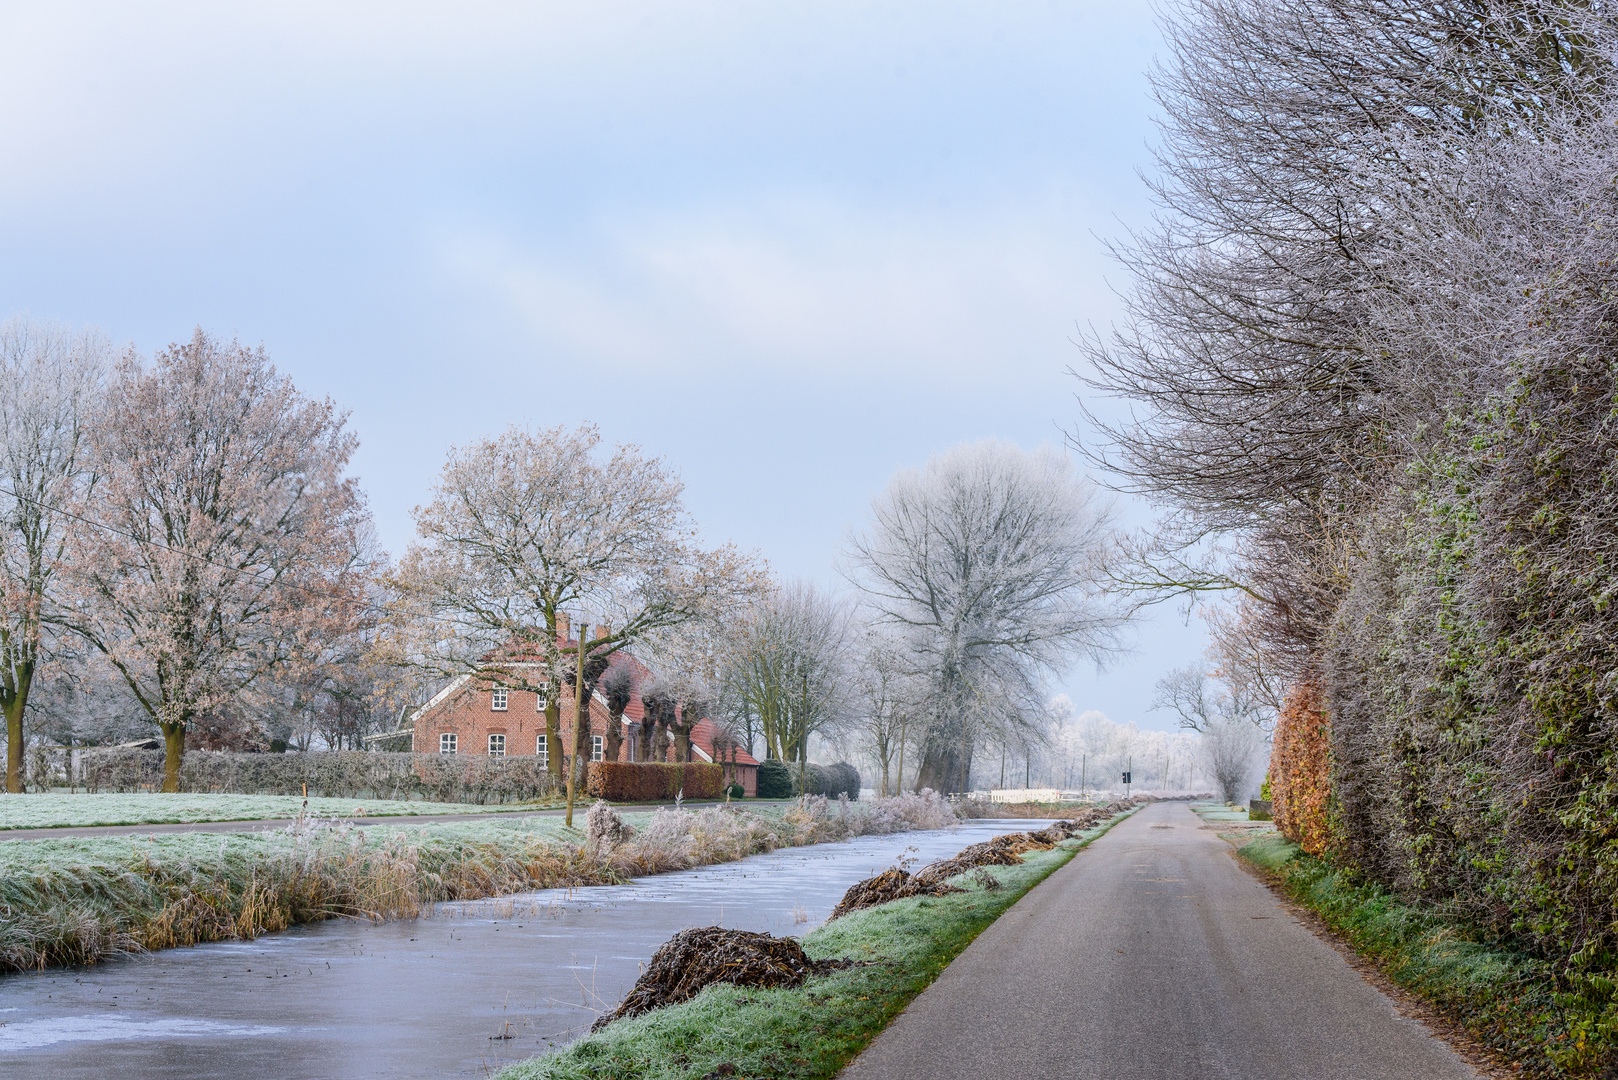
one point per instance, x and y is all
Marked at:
(473, 987)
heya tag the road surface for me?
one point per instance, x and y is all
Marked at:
(1153, 956)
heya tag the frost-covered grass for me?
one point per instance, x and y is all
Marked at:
(813, 1031)
(1545, 1024)
(63, 810)
(74, 900)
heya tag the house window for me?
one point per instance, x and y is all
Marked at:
(539, 701)
(497, 746)
(542, 750)
(499, 702)
(598, 745)
(446, 743)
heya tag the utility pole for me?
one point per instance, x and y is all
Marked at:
(1084, 763)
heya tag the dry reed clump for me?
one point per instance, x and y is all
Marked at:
(232, 888)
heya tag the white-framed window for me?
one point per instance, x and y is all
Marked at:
(446, 743)
(498, 699)
(497, 746)
(539, 701)
(541, 749)
(598, 746)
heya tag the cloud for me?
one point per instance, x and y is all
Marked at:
(805, 286)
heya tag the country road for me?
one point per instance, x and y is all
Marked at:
(1153, 956)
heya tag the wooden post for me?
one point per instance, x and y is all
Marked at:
(578, 707)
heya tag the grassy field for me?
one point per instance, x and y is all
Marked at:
(63, 810)
(1548, 1024)
(812, 1031)
(74, 900)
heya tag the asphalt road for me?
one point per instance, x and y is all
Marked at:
(1153, 956)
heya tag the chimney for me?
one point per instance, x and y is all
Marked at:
(562, 629)
(601, 632)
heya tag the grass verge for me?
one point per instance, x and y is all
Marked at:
(1509, 1000)
(816, 1029)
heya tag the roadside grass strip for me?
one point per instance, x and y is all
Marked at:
(63, 810)
(1547, 1024)
(814, 1030)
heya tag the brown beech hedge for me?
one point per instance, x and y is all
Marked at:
(652, 781)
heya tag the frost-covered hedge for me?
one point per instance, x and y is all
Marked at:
(349, 774)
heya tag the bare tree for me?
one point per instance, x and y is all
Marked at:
(528, 527)
(883, 703)
(987, 562)
(789, 663)
(222, 534)
(1204, 703)
(50, 382)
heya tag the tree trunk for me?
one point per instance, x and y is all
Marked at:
(643, 736)
(15, 703)
(173, 754)
(553, 734)
(615, 735)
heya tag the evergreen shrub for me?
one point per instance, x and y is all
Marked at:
(775, 780)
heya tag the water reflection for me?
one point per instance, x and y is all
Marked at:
(459, 993)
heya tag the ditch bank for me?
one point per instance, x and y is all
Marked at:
(893, 952)
(77, 901)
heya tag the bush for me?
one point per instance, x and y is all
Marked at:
(833, 780)
(1300, 770)
(652, 781)
(775, 780)
(736, 791)
(342, 774)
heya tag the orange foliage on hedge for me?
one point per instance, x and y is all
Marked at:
(1300, 769)
(652, 781)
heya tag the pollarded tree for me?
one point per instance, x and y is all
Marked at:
(221, 535)
(50, 382)
(529, 527)
(987, 561)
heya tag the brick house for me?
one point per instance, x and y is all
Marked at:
(464, 718)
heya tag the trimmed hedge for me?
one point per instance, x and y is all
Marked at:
(778, 779)
(653, 781)
(341, 774)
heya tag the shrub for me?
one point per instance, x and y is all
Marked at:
(831, 781)
(347, 774)
(774, 780)
(652, 781)
(1300, 770)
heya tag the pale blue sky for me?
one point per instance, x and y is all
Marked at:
(791, 247)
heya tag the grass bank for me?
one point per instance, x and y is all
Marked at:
(814, 1030)
(58, 810)
(1547, 1024)
(77, 900)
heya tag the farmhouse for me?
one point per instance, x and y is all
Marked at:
(467, 717)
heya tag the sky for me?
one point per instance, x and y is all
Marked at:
(788, 247)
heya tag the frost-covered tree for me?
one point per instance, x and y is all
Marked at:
(987, 562)
(221, 535)
(50, 386)
(789, 662)
(530, 527)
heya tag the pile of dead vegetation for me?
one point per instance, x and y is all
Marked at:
(694, 959)
(932, 879)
